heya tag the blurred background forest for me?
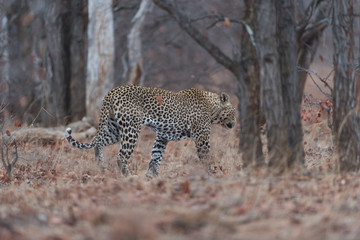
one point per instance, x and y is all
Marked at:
(46, 41)
(44, 51)
(59, 58)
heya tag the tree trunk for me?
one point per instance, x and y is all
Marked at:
(55, 89)
(78, 58)
(20, 84)
(4, 58)
(136, 70)
(248, 94)
(270, 79)
(287, 49)
(100, 64)
(346, 113)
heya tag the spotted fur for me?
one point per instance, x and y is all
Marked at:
(171, 115)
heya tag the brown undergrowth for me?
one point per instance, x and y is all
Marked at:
(59, 192)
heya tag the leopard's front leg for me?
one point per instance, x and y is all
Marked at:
(156, 156)
(202, 143)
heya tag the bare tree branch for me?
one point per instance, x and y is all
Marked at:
(208, 16)
(323, 80)
(221, 18)
(218, 18)
(308, 35)
(134, 6)
(320, 89)
(315, 29)
(306, 15)
(185, 23)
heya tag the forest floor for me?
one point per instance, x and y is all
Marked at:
(59, 192)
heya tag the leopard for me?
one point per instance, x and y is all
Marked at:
(173, 116)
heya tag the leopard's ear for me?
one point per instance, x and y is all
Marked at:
(224, 97)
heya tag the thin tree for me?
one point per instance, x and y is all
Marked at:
(135, 59)
(270, 79)
(287, 50)
(100, 62)
(78, 49)
(346, 107)
(248, 75)
(55, 89)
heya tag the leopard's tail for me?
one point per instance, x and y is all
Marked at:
(104, 118)
(75, 143)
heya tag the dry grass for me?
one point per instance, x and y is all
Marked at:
(59, 192)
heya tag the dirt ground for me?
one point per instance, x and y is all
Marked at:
(59, 192)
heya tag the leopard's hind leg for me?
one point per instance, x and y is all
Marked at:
(111, 135)
(129, 136)
(99, 157)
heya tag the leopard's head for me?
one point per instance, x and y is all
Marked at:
(226, 116)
